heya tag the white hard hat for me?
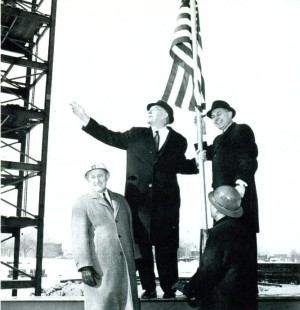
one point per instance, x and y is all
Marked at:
(97, 165)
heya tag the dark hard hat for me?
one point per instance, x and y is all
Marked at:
(227, 200)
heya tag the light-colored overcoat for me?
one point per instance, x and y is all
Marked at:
(104, 240)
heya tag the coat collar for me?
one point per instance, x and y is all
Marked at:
(149, 144)
(94, 195)
(150, 133)
(229, 129)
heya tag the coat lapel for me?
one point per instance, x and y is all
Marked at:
(96, 197)
(222, 137)
(148, 145)
(150, 139)
(168, 142)
(228, 131)
(115, 202)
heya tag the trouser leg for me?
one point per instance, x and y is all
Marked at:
(145, 267)
(254, 271)
(167, 267)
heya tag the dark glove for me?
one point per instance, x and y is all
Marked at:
(179, 286)
(183, 287)
(192, 303)
(89, 276)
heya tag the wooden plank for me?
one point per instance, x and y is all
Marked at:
(10, 284)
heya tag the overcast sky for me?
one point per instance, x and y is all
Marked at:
(112, 57)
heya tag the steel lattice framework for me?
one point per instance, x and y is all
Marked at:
(27, 41)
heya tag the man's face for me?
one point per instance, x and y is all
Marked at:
(221, 118)
(156, 114)
(97, 179)
(213, 211)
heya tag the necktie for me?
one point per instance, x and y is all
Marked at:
(156, 140)
(105, 198)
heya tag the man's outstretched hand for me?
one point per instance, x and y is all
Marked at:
(79, 111)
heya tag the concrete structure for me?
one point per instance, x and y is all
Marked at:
(76, 303)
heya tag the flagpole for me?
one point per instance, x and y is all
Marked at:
(204, 228)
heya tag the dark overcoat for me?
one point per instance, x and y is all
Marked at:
(151, 180)
(222, 281)
(234, 156)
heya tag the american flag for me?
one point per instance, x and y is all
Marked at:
(180, 87)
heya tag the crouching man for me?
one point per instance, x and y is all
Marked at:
(222, 280)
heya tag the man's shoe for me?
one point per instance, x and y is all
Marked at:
(169, 295)
(149, 294)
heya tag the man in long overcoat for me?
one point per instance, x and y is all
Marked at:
(234, 162)
(151, 189)
(103, 245)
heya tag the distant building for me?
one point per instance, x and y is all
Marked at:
(279, 258)
(52, 250)
(295, 257)
(195, 253)
(262, 258)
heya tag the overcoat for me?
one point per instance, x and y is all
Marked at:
(222, 281)
(105, 242)
(151, 189)
(234, 156)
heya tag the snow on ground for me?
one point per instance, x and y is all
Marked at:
(283, 290)
(58, 270)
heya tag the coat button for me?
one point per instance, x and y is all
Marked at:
(150, 185)
(119, 236)
(121, 253)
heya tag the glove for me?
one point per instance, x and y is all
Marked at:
(182, 286)
(89, 276)
(179, 286)
(241, 189)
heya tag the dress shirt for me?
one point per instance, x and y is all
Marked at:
(106, 196)
(163, 134)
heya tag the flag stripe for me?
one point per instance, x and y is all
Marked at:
(181, 92)
(180, 86)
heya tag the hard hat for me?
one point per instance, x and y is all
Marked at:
(97, 165)
(227, 200)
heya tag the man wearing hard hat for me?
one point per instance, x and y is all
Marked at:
(155, 155)
(222, 281)
(234, 162)
(103, 245)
